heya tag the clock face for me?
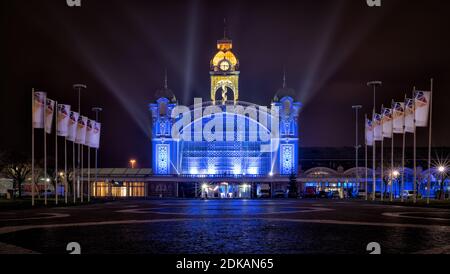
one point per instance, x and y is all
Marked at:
(224, 65)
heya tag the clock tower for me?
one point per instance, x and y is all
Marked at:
(224, 72)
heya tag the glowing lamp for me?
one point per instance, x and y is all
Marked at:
(132, 163)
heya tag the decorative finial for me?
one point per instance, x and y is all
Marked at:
(284, 77)
(224, 27)
(165, 79)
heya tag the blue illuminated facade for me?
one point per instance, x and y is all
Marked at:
(260, 141)
(236, 153)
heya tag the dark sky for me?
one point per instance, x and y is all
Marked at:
(120, 49)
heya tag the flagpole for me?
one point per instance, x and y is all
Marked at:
(414, 151)
(356, 108)
(32, 147)
(78, 147)
(45, 152)
(74, 174)
(392, 152)
(429, 142)
(81, 175)
(382, 170)
(392, 165)
(374, 84)
(403, 152)
(89, 174)
(374, 177)
(382, 156)
(97, 110)
(79, 87)
(403, 165)
(365, 122)
(56, 152)
(65, 170)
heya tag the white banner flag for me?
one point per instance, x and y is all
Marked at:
(387, 122)
(422, 101)
(95, 143)
(63, 120)
(38, 109)
(409, 115)
(398, 117)
(89, 132)
(369, 132)
(81, 130)
(73, 122)
(49, 112)
(377, 128)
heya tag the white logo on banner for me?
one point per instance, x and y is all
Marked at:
(38, 109)
(63, 120)
(81, 130)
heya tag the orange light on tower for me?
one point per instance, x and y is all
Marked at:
(132, 163)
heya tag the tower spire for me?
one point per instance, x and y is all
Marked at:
(284, 77)
(166, 86)
(224, 27)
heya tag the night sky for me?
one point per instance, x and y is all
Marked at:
(120, 49)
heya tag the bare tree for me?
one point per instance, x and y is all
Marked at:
(18, 172)
(15, 166)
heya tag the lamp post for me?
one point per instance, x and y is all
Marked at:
(394, 175)
(374, 85)
(79, 88)
(357, 146)
(442, 170)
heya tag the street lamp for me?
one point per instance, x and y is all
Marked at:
(395, 173)
(442, 171)
(204, 191)
(374, 85)
(132, 162)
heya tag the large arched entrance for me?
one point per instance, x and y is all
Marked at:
(239, 148)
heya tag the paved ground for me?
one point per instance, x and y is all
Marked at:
(227, 226)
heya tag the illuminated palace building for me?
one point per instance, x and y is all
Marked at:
(224, 145)
(226, 148)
